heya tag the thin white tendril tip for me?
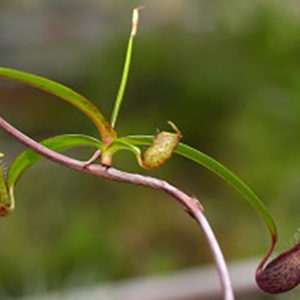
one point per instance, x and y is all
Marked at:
(135, 20)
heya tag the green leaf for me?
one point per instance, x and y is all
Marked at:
(220, 170)
(57, 143)
(107, 132)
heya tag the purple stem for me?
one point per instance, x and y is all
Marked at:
(190, 204)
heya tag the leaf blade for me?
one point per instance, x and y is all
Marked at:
(57, 143)
(221, 171)
(65, 93)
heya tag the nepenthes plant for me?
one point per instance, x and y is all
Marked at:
(279, 275)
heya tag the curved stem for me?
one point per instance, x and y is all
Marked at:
(190, 204)
(217, 254)
(266, 257)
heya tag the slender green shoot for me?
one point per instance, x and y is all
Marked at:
(126, 68)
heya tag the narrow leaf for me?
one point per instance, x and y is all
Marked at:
(220, 170)
(107, 132)
(58, 143)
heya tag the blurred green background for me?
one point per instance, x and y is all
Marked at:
(226, 72)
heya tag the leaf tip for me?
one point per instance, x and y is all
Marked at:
(135, 20)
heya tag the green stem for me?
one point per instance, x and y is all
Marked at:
(126, 68)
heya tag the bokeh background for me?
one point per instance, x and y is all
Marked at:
(226, 72)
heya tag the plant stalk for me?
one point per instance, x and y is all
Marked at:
(190, 204)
